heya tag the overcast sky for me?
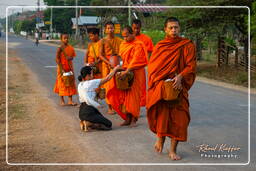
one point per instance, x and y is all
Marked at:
(5, 3)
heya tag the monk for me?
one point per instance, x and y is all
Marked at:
(91, 57)
(109, 45)
(64, 56)
(136, 27)
(134, 56)
(174, 57)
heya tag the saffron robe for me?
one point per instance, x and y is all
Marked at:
(134, 56)
(60, 87)
(170, 56)
(110, 47)
(93, 52)
(149, 45)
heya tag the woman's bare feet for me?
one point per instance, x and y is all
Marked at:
(159, 144)
(82, 125)
(174, 156)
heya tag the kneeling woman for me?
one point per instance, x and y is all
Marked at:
(89, 113)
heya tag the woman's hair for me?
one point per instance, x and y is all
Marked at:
(129, 29)
(86, 70)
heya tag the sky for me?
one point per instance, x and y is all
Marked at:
(5, 3)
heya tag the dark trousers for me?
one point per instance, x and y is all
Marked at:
(91, 114)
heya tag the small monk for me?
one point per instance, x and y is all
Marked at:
(91, 57)
(134, 56)
(109, 45)
(64, 56)
(136, 27)
(172, 58)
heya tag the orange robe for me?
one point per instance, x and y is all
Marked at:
(149, 45)
(147, 42)
(93, 52)
(59, 87)
(134, 56)
(165, 118)
(108, 51)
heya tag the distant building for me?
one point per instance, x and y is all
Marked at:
(85, 22)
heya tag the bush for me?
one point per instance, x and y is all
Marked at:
(155, 35)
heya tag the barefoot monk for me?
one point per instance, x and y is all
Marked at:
(172, 58)
(64, 56)
(109, 45)
(134, 56)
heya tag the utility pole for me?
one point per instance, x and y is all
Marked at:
(37, 15)
(51, 24)
(76, 20)
(129, 12)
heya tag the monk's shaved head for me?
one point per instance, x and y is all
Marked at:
(171, 19)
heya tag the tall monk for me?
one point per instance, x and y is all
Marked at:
(134, 56)
(136, 27)
(109, 45)
(64, 56)
(175, 58)
(91, 57)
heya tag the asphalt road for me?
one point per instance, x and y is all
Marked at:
(218, 116)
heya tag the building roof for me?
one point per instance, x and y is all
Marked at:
(148, 8)
(86, 20)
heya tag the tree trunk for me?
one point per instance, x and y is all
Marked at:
(246, 52)
(199, 48)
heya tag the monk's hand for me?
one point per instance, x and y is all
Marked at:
(123, 74)
(177, 82)
(69, 58)
(97, 90)
(118, 68)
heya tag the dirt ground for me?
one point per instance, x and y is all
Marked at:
(32, 130)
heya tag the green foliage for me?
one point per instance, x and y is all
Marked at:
(17, 27)
(253, 19)
(155, 35)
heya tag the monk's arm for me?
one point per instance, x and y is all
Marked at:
(57, 59)
(86, 55)
(190, 60)
(101, 54)
(188, 73)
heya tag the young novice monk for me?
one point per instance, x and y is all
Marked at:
(89, 113)
(91, 57)
(64, 57)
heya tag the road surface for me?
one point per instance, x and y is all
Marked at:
(218, 116)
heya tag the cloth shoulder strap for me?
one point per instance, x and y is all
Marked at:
(69, 64)
(110, 45)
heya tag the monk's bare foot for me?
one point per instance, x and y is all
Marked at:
(133, 123)
(159, 144)
(125, 123)
(72, 104)
(62, 103)
(111, 112)
(174, 156)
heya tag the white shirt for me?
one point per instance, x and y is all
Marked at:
(86, 91)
